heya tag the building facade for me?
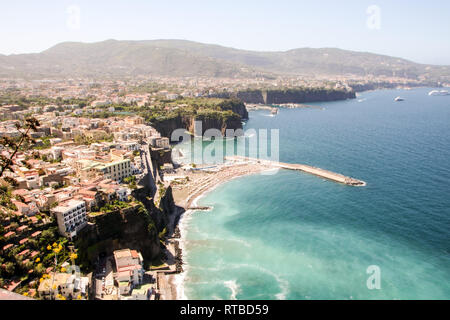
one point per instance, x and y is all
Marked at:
(71, 217)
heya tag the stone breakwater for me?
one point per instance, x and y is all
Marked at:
(324, 174)
(178, 258)
(336, 177)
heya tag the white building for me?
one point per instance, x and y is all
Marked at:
(70, 285)
(123, 193)
(33, 181)
(57, 152)
(114, 170)
(71, 217)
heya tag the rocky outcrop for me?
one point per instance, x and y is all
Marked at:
(169, 124)
(297, 95)
(375, 85)
(217, 121)
(133, 228)
(137, 227)
(236, 106)
(161, 156)
(210, 119)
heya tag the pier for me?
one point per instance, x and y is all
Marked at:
(336, 177)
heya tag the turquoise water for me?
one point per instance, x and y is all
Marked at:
(297, 236)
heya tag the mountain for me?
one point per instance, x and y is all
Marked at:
(177, 58)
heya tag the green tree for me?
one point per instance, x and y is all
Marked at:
(14, 145)
(10, 268)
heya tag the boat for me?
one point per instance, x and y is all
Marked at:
(399, 99)
(274, 111)
(438, 93)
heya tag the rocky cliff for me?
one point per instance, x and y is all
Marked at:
(297, 95)
(137, 227)
(226, 115)
(376, 85)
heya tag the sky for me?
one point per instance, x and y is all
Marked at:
(416, 30)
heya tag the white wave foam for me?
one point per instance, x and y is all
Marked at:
(180, 278)
(284, 287)
(282, 283)
(234, 287)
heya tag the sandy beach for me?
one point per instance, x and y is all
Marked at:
(194, 184)
(186, 195)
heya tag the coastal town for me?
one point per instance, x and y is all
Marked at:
(74, 170)
(75, 165)
(87, 163)
(223, 157)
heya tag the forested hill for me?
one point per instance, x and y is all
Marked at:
(181, 58)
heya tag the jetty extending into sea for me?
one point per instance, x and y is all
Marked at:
(205, 179)
(336, 177)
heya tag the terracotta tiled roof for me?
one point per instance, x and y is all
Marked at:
(35, 234)
(8, 246)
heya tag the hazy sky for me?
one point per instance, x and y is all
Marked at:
(416, 30)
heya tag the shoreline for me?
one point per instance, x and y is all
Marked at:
(203, 182)
(177, 281)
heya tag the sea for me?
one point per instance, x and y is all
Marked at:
(292, 235)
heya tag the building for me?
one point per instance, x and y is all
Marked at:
(160, 142)
(114, 170)
(70, 285)
(142, 292)
(71, 217)
(130, 270)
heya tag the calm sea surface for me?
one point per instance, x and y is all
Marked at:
(297, 236)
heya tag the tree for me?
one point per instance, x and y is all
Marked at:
(33, 243)
(47, 236)
(6, 162)
(10, 268)
(39, 269)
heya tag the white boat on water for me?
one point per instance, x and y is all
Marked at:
(399, 99)
(438, 93)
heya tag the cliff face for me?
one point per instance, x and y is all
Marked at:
(214, 120)
(290, 95)
(118, 230)
(221, 114)
(236, 106)
(392, 85)
(137, 228)
(159, 217)
(168, 125)
(160, 157)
